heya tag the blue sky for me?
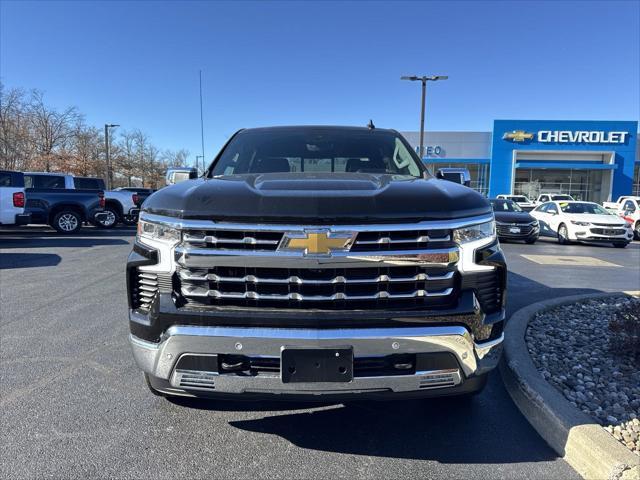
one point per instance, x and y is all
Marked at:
(270, 63)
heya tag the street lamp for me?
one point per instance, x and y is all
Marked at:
(107, 126)
(424, 80)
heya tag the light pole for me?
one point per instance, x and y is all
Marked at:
(107, 126)
(197, 158)
(424, 80)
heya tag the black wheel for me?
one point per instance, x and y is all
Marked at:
(636, 232)
(563, 234)
(67, 221)
(620, 244)
(108, 219)
(155, 392)
(531, 241)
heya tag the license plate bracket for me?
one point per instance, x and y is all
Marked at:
(303, 364)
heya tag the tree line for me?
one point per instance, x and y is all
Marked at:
(37, 137)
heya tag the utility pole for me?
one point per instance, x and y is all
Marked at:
(424, 80)
(201, 122)
(107, 126)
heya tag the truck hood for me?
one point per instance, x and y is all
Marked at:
(513, 217)
(317, 198)
(596, 218)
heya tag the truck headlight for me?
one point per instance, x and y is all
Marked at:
(474, 233)
(582, 224)
(158, 232)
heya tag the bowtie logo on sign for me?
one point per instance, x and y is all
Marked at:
(518, 136)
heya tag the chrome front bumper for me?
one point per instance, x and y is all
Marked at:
(159, 359)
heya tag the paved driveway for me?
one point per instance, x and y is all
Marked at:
(72, 403)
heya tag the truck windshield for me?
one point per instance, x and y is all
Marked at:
(579, 207)
(321, 150)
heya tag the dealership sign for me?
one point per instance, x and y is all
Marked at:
(567, 136)
(430, 150)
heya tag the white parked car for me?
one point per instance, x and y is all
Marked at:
(523, 202)
(12, 199)
(582, 222)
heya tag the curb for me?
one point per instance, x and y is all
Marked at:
(583, 444)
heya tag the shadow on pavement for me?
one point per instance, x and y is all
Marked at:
(28, 260)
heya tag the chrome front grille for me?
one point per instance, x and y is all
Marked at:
(608, 231)
(327, 288)
(233, 239)
(401, 240)
(268, 239)
(503, 229)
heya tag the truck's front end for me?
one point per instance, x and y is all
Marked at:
(336, 283)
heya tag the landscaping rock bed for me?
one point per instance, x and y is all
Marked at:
(594, 367)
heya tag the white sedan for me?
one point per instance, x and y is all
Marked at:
(582, 222)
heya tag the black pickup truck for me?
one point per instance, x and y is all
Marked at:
(317, 263)
(63, 209)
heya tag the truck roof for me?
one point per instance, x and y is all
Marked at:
(316, 127)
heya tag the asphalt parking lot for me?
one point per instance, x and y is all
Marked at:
(73, 404)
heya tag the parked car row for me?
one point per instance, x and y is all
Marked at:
(627, 207)
(568, 221)
(66, 202)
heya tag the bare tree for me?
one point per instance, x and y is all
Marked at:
(50, 128)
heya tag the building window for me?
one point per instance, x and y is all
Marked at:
(580, 184)
(636, 181)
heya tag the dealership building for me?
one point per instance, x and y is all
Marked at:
(590, 160)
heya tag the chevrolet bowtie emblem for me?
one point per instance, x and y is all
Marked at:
(317, 242)
(518, 136)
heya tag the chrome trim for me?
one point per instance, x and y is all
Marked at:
(159, 359)
(388, 240)
(270, 382)
(185, 224)
(294, 279)
(247, 240)
(192, 291)
(208, 258)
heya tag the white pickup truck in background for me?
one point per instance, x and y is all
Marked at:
(12, 199)
(120, 206)
(628, 207)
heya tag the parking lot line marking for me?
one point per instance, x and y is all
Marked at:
(573, 261)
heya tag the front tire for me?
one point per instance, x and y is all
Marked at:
(110, 218)
(563, 235)
(67, 222)
(620, 244)
(531, 241)
(636, 231)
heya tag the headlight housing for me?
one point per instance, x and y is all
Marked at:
(628, 225)
(157, 232)
(582, 224)
(473, 233)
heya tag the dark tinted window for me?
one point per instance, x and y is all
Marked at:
(5, 179)
(88, 183)
(43, 181)
(505, 206)
(317, 150)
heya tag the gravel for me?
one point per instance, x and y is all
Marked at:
(573, 349)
